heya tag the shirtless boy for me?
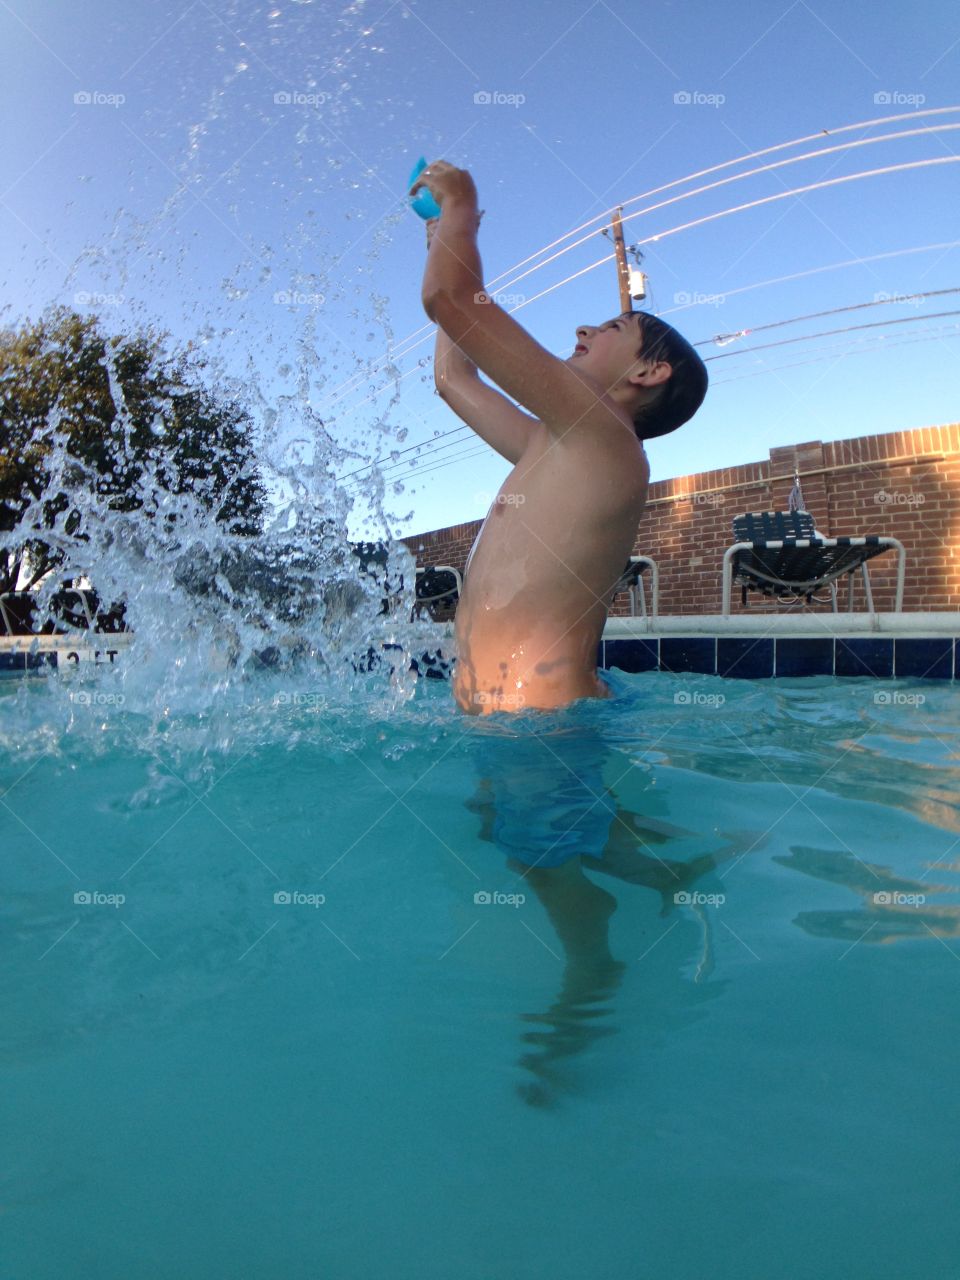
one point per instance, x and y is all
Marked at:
(541, 575)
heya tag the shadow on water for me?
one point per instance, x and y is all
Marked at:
(542, 800)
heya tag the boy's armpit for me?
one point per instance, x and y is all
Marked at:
(491, 415)
(515, 361)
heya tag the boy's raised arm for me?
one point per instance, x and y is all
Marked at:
(491, 415)
(454, 298)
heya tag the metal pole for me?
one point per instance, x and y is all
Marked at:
(623, 273)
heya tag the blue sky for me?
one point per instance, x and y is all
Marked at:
(234, 173)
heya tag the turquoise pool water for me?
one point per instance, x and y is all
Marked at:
(721, 1044)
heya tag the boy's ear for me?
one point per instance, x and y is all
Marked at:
(651, 375)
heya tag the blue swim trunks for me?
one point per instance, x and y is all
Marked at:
(550, 801)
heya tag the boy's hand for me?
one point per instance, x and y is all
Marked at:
(445, 181)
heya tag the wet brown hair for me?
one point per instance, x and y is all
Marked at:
(683, 393)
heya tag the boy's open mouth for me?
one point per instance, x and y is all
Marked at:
(579, 349)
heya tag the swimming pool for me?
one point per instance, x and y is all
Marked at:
(337, 1027)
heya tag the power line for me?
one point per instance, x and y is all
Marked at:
(741, 351)
(777, 324)
(751, 155)
(853, 328)
(833, 266)
(861, 346)
(752, 204)
(424, 329)
(738, 177)
(897, 299)
(712, 217)
(873, 347)
(447, 462)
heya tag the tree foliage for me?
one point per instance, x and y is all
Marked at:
(134, 423)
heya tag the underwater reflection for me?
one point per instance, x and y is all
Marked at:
(543, 801)
(893, 907)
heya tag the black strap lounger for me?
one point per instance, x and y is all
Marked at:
(17, 613)
(781, 555)
(436, 583)
(631, 580)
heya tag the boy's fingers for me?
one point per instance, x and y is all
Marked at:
(421, 179)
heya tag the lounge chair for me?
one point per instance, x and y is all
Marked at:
(783, 556)
(74, 608)
(435, 584)
(631, 580)
(17, 613)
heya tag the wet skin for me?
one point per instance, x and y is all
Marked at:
(540, 577)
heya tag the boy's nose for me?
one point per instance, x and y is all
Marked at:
(584, 330)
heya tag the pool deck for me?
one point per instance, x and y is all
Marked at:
(745, 646)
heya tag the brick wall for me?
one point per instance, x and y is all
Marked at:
(905, 485)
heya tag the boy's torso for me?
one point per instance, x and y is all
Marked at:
(540, 577)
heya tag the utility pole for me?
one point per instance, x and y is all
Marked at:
(623, 271)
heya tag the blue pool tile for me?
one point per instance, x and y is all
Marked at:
(745, 659)
(631, 655)
(804, 657)
(932, 659)
(864, 656)
(37, 661)
(689, 653)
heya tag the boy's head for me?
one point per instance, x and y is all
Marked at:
(646, 366)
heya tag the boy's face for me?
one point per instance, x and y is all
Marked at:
(608, 352)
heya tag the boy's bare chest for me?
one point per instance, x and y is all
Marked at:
(554, 511)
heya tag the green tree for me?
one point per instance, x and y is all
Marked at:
(113, 407)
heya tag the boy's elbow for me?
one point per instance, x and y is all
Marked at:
(445, 306)
(429, 300)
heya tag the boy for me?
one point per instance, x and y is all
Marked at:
(540, 577)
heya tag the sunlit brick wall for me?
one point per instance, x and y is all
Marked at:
(905, 485)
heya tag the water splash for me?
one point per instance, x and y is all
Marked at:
(235, 630)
